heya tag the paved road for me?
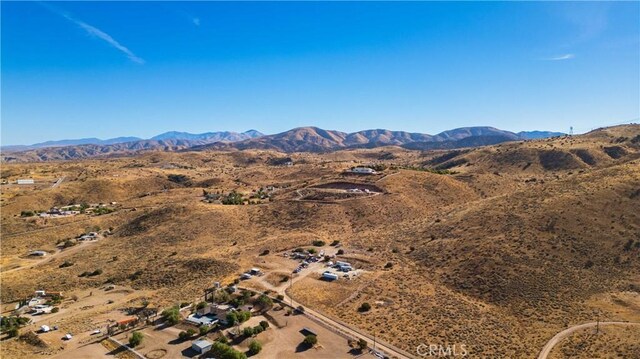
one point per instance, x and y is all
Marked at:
(567, 332)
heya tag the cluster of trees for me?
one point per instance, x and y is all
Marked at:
(238, 317)
(186, 334)
(251, 331)
(10, 325)
(224, 351)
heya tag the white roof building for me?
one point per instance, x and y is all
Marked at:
(363, 170)
(201, 346)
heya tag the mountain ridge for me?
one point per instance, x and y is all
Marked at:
(300, 139)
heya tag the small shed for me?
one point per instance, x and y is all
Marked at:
(201, 346)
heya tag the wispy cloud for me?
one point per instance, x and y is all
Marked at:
(560, 57)
(94, 31)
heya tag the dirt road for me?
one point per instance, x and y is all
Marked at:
(569, 331)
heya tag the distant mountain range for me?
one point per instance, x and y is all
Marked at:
(208, 137)
(302, 139)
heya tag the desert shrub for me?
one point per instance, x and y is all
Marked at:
(65, 264)
(628, 245)
(27, 214)
(388, 265)
(280, 297)
(136, 275)
(335, 243)
(340, 252)
(84, 274)
(362, 344)
(184, 304)
(265, 252)
(201, 305)
(233, 198)
(364, 307)
(171, 315)
(55, 310)
(222, 339)
(96, 272)
(135, 339)
(312, 250)
(318, 243)
(264, 324)
(13, 332)
(310, 340)
(298, 250)
(181, 179)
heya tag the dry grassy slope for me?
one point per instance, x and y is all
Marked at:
(480, 258)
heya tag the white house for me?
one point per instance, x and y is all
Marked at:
(25, 181)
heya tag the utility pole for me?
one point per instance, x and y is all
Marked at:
(374, 341)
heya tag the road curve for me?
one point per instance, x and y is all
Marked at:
(546, 350)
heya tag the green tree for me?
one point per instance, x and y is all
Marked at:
(135, 339)
(310, 340)
(247, 332)
(171, 315)
(204, 329)
(232, 318)
(264, 324)
(364, 307)
(254, 347)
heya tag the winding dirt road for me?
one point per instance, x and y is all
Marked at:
(569, 331)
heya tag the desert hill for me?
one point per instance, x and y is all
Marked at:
(498, 247)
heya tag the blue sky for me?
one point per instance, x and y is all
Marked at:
(91, 69)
